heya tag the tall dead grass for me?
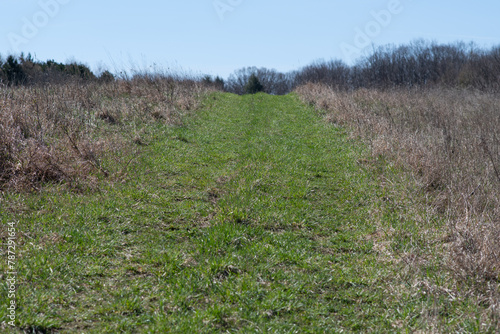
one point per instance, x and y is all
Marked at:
(450, 140)
(63, 133)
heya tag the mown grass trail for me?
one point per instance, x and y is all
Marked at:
(253, 216)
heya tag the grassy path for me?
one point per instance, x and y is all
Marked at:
(254, 216)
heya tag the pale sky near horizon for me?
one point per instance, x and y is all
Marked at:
(219, 36)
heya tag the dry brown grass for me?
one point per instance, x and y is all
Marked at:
(449, 140)
(62, 133)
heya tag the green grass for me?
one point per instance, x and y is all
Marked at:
(254, 216)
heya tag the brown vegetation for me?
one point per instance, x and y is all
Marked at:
(448, 139)
(63, 132)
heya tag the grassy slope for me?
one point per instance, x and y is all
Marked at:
(254, 216)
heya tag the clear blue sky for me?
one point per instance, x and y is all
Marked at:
(220, 36)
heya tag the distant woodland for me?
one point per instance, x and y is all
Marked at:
(417, 64)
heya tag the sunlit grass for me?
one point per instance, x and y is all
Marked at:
(252, 216)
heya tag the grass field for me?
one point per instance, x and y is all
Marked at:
(251, 215)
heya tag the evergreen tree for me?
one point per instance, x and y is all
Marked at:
(207, 80)
(253, 85)
(13, 71)
(106, 77)
(219, 83)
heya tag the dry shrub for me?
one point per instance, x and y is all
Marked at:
(62, 133)
(449, 139)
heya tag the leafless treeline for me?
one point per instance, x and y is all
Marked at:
(273, 81)
(419, 63)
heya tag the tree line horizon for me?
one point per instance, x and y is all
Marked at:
(417, 64)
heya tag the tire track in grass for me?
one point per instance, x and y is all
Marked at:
(253, 216)
(287, 248)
